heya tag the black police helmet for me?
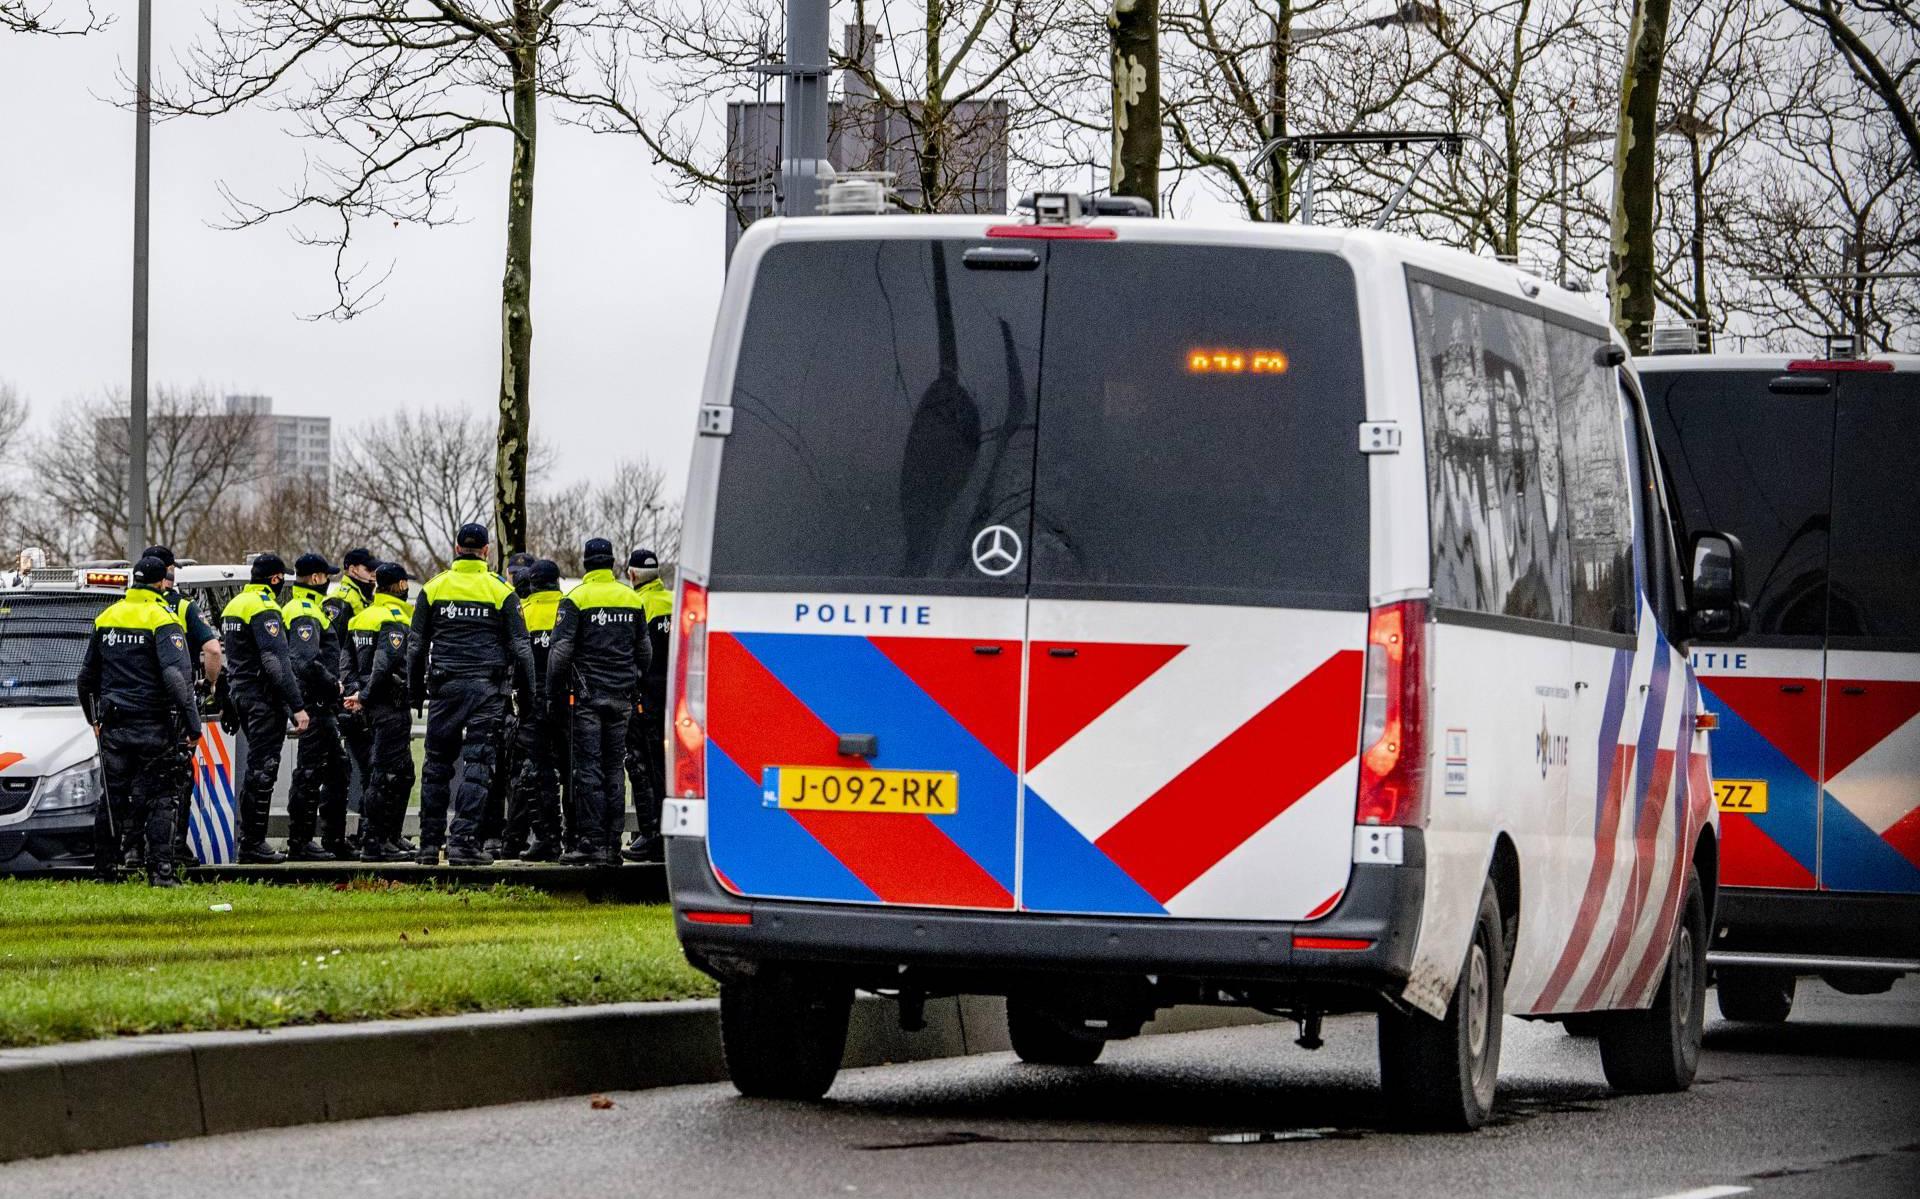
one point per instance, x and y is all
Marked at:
(597, 554)
(149, 569)
(471, 537)
(388, 573)
(359, 556)
(313, 564)
(643, 559)
(265, 566)
(544, 575)
(161, 552)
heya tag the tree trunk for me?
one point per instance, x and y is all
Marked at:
(516, 313)
(1697, 246)
(1279, 166)
(933, 116)
(1631, 252)
(1135, 26)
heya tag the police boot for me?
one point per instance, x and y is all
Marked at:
(161, 874)
(466, 853)
(540, 851)
(342, 848)
(610, 856)
(582, 854)
(307, 851)
(134, 856)
(496, 848)
(644, 849)
(260, 853)
(427, 855)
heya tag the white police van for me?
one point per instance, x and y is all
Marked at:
(50, 777)
(1112, 613)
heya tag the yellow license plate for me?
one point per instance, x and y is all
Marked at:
(1740, 795)
(827, 789)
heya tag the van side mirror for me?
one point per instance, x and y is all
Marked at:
(1713, 589)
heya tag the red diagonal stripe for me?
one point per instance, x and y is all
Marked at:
(901, 857)
(1602, 870)
(1243, 783)
(1904, 836)
(1655, 955)
(1646, 833)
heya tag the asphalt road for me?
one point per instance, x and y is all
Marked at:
(1827, 1105)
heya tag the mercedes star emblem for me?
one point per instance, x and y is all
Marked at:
(996, 550)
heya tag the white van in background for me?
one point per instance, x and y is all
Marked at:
(1115, 613)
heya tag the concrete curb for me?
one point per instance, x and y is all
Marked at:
(138, 1090)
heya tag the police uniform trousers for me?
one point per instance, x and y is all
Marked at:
(263, 721)
(539, 751)
(319, 791)
(599, 736)
(144, 760)
(389, 785)
(646, 764)
(356, 737)
(463, 721)
(493, 821)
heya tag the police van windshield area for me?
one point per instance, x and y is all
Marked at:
(43, 640)
(1155, 421)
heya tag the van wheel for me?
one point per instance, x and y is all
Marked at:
(1659, 1049)
(1582, 1024)
(1044, 1037)
(1441, 1074)
(783, 1033)
(1754, 996)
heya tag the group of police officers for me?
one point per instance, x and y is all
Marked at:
(533, 692)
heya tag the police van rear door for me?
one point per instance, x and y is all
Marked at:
(1198, 618)
(867, 587)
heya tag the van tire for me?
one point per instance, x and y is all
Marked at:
(782, 1033)
(1441, 1075)
(1044, 1037)
(1754, 996)
(1658, 1050)
(1582, 1024)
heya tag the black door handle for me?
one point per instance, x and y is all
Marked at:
(988, 650)
(1063, 651)
(1793, 688)
(1853, 690)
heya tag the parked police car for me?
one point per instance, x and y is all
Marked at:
(1809, 462)
(1110, 614)
(49, 760)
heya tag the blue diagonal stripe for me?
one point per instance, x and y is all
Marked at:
(764, 851)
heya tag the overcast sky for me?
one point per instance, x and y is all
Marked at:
(625, 279)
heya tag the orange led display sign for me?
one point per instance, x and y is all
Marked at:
(1236, 362)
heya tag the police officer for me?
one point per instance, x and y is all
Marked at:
(599, 655)
(469, 639)
(264, 691)
(136, 688)
(319, 792)
(346, 599)
(506, 760)
(376, 683)
(539, 746)
(203, 643)
(647, 733)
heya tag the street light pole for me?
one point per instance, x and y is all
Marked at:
(803, 116)
(137, 385)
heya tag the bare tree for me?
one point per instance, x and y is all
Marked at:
(413, 478)
(199, 457)
(288, 517)
(631, 506)
(397, 94)
(49, 17)
(1880, 42)
(922, 83)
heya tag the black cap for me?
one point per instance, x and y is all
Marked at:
(471, 537)
(265, 566)
(544, 575)
(359, 556)
(597, 554)
(149, 569)
(518, 562)
(388, 573)
(313, 564)
(643, 559)
(161, 552)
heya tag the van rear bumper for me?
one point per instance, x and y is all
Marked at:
(1381, 906)
(1811, 931)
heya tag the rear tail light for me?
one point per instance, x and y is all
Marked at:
(687, 741)
(1393, 734)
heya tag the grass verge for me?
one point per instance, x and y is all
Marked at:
(80, 960)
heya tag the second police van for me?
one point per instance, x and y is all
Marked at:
(1111, 613)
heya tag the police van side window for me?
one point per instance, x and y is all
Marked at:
(1496, 499)
(1746, 461)
(1875, 598)
(1600, 491)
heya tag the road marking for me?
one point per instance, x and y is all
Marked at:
(1719, 1192)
